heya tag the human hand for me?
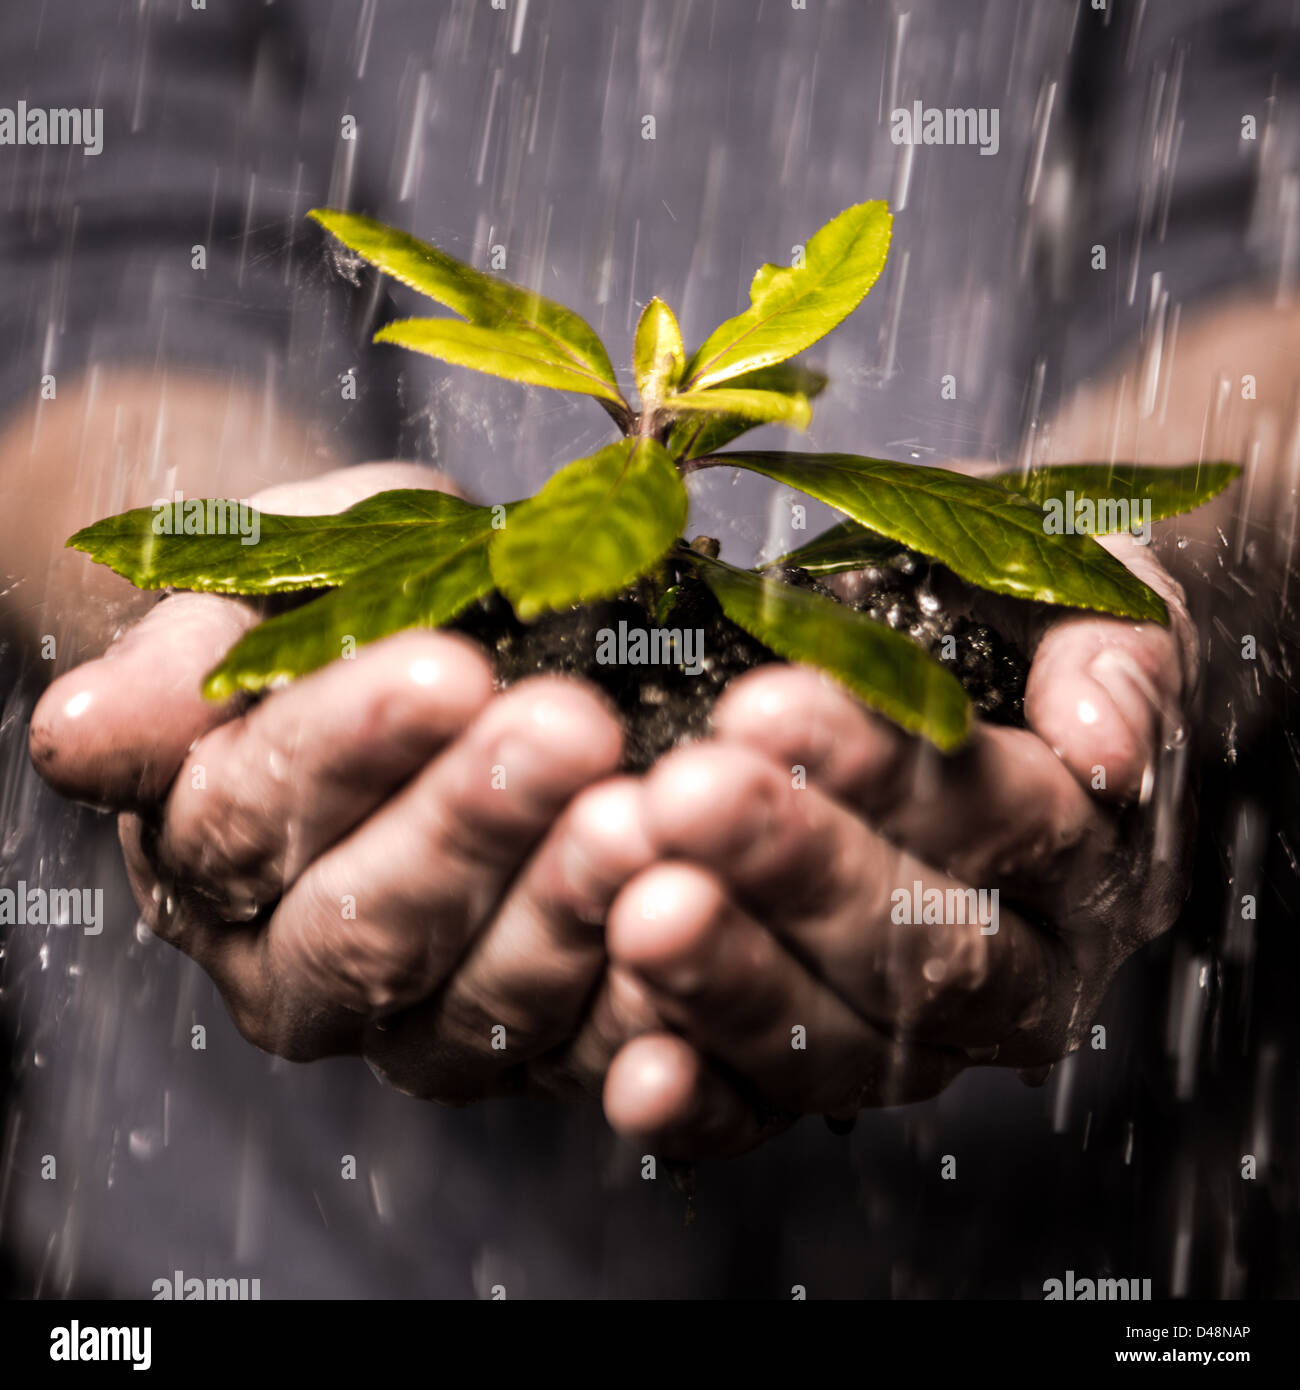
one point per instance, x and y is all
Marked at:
(336, 856)
(771, 908)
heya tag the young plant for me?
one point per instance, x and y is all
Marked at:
(615, 519)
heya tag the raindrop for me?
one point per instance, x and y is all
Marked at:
(144, 1143)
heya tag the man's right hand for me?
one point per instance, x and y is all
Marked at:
(387, 857)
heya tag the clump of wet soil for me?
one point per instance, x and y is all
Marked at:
(664, 705)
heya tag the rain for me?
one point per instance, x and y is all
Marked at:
(174, 322)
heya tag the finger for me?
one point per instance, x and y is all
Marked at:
(380, 919)
(523, 986)
(830, 887)
(1001, 812)
(267, 793)
(271, 1012)
(621, 1009)
(1107, 694)
(115, 731)
(661, 1093)
(341, 488)
(739, 995)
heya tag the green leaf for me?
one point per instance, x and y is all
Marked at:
(597, 525)
(658, 354)
(846, 546)
(666, 602)
(983, 532)
(292, 552)
(885, 669)
(703, 434)
(1170, 491)
(791, 307)
(483, 299)
(758, 407)
(422, 581)
(516, 354)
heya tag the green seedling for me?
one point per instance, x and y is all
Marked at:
(614, 520)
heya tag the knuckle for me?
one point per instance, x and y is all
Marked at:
(476, 1011)
(360, 966)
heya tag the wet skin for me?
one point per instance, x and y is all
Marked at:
(392, 858)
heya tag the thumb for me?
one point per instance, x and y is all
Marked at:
(1106, 693)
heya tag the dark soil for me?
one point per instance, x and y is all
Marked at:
(664, 705)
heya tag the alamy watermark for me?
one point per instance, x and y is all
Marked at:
(52, 907)
(947, 125)
(1102, 516)
(651, 646)
(77, 1343)
(1072, 1290)
(192, 1289)
(58, 125)
(207, 516)
(945, 907)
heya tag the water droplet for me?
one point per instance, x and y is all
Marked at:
(144, 1143)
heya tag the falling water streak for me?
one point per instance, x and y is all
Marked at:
(1288, 267)
(1135, 28)
(1289, 487)
(380, 1197)
(1249, 484)
(1180, 1272)
(414, 139)
(1157, 150)
(1153, 332)
(1042, 124)
(1033, 405)
(887, 358)
(902, 177)
(341, 172)
(631, 278)
(517, 30)
(796, 141)
(1064, 1080)
(538, 87)
(890, 67)
(365, 28)
(1167, 192)
(1186, 1018)
(484, 143)
(1167, 368)
(1261, 1129)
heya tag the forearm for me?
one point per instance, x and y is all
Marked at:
(118, 439)
(1226, 388)
(1221, 385)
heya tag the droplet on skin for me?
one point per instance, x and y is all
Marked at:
(934, 970)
